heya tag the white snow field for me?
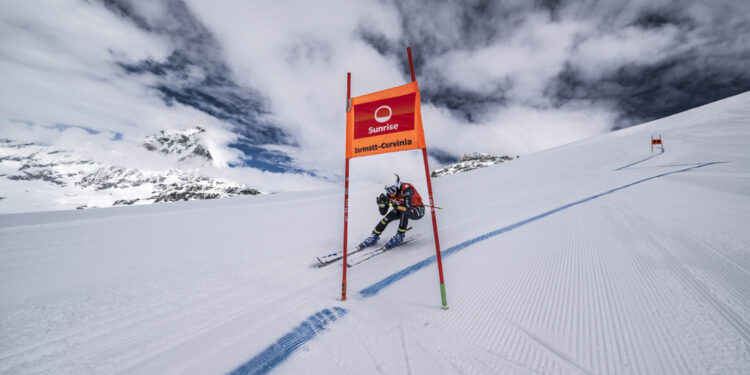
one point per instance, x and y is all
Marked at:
(597, 257)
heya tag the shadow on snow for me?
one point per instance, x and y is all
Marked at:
(639, 161)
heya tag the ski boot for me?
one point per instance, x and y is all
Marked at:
(395, 240)
(369, 241)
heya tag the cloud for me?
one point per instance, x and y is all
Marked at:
(518, 66)
(196, 75)
(636, 60)
(49, 76)
(267, 79)
(515, 128)
(128, 80)
(605, 53)
(297, 54)
(653, 59)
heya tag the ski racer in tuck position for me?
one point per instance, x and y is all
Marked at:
(406, 203)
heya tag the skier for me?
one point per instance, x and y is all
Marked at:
(406, 203)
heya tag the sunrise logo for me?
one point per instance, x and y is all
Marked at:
(382, 119)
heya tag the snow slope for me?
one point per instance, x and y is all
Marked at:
(595, 257)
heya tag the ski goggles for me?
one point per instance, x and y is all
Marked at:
(391, 190)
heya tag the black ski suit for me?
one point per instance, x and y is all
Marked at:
(406, 203)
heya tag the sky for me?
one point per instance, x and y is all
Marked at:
(268, 79)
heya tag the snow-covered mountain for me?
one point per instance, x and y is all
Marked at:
(597, 257)
(187, 144)
(470, 162)
(35, 177)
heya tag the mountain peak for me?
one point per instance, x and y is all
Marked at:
(174, 142)
(470, 162)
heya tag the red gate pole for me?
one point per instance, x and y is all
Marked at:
(411, 64)
(435, 231)
(661, 144)
(346, 190)
(443, 298)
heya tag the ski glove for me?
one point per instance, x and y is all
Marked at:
(382, 200)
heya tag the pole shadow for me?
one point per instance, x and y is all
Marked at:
(639, 161)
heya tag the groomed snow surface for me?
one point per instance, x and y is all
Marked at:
(598, 257)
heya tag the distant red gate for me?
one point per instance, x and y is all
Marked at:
(656, 141)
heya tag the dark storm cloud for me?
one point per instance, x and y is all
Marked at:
(308, 50)
(705, 56)
(645, 93)
(714, 68)
(439, 27)
(467, 105)
(656, 18)
(378, 41)
(465, 26)
(444, 26)
(196, 75)
(443, 157)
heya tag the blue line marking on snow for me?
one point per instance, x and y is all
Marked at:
(273, 355)
(382, 284)
(640, 161)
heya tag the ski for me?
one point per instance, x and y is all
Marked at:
(325, 260)
(363, 256)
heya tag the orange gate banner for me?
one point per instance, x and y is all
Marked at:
(384, 121)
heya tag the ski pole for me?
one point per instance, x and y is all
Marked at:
(426, 205)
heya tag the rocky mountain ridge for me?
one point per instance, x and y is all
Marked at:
(470, 162)
(34, 177)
